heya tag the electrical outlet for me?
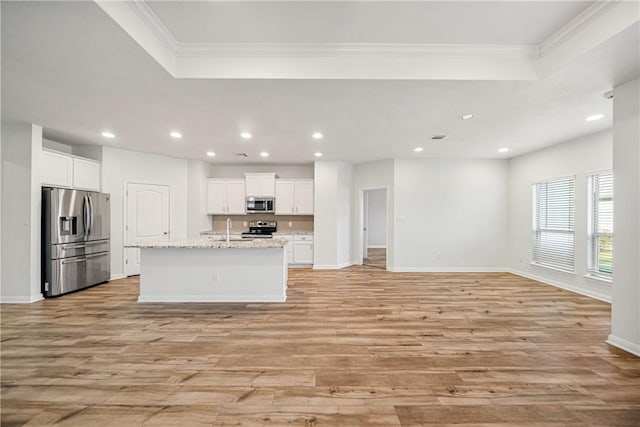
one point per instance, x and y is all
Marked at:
(216, 277)
(244, 224)
(290, 223)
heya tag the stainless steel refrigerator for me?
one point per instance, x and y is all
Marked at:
(75, 240)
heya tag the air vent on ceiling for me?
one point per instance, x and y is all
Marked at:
(438, 137)
(240, 154)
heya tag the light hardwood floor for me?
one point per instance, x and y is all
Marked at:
(377, 257)
(359, 346)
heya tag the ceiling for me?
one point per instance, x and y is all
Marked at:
(521, 23)
(79, 68)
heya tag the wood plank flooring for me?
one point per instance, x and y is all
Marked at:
(359, 346)
(377, 257)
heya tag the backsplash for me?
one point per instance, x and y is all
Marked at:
(298, 222)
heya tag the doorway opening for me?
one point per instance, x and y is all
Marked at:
(374, 228)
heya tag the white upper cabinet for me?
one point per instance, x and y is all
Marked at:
(236, 197)
(294, 197)
(285, 194)
(66, 170)
(226, 196)
(57, 169)
(304, 197)
(260, 184)
(86, 174)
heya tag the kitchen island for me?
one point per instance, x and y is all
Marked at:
(208, 270)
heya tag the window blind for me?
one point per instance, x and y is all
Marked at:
(553, 223)
(600, 241)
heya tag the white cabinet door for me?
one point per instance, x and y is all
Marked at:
(304, 197)
(57, 169)
(236, 199)
(86, 174)
(260, 184)
(216, 197)
(303, 252)
(289, 240)
(253, 185)
(285, 197)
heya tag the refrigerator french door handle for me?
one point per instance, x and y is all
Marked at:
(90, 215)
(85, 216)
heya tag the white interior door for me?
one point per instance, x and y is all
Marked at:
(147, 218)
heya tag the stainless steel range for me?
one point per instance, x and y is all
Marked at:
(260, 229)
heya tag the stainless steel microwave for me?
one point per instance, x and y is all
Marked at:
(260, 205)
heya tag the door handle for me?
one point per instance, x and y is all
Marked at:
(90, 214)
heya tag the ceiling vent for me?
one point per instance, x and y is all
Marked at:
(438, 137)
(240, 154)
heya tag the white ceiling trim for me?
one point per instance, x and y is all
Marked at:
(576, 25)
(368, 61)
(378, 50)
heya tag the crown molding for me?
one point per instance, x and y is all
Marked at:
(353, 50)
(576, 25)
(153, 23)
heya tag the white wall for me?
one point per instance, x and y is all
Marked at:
(197, 218)
(450, 215)
(21, 210)
(625, 307)
(332, 205)
(120, 166)
(578, 157)
(343, 212)
(377, 218)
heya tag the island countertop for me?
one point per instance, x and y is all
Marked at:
(208, 243)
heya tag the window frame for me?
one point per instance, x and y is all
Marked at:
(593, 220)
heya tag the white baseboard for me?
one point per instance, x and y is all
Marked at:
(623, 344)
(449, 269)
(300, 266)
(26, 299)
(333, 266)
(117, 276)
(213, 298)
(377, 247)
(562, 285)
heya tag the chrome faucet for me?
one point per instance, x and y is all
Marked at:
(229, 225)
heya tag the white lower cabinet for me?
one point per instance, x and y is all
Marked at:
(299, 248)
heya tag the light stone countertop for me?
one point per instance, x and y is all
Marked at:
(237, 233)
(219, 233)
(207, 243)
(292, 233)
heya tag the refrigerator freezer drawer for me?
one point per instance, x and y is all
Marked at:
(66, 250)
(71, 274)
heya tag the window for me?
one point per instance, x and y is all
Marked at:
(553, 223)
(600, 225)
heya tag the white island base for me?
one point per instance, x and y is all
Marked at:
(213, 274)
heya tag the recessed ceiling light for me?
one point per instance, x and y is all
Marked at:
(318, 154)
(211, 154)
(264, 154)
(594, 117)
(467, 117)
(245, 135)
(176, 135)
(317, 135)
(108, 135)
(418, 149)
(503, 150)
